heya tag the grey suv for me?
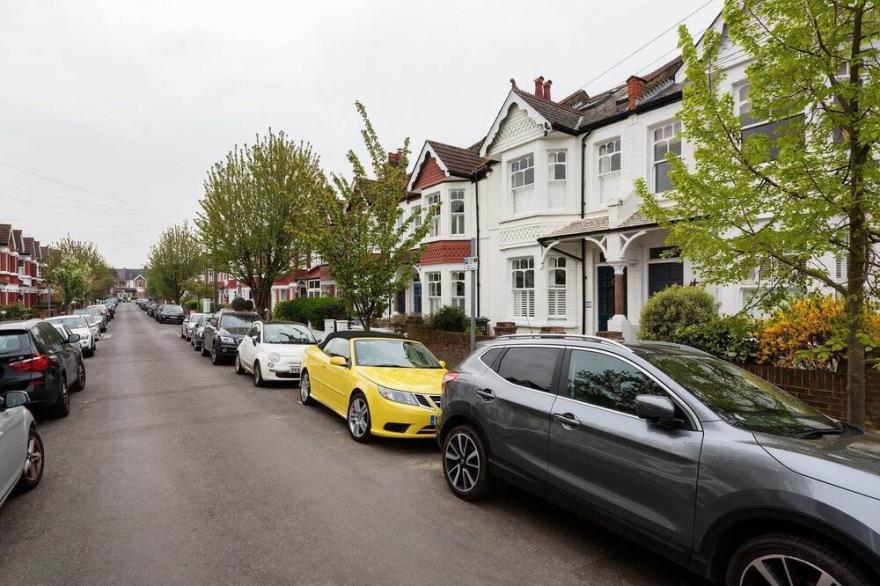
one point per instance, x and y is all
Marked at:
(690, 455)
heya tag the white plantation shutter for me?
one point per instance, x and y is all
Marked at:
(557, 293)
(556, 303)
(524, 303)
(523, 281)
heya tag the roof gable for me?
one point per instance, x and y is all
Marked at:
(438, 162)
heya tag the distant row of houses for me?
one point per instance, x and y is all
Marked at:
(22, 266)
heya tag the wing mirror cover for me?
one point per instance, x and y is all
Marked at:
(655, 408)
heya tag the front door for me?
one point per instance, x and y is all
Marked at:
(605, 295)
(664, 274)
(400, 304)
(417, 298)
(603, 454)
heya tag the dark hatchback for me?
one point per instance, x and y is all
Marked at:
(170, 314)
(35, 358)
(224, 332)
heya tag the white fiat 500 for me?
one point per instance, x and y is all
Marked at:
(78, 325)
(273, 351)
(21, 449)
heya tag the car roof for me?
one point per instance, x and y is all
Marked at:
(280, 322)
(19, 325)
(639, 347)
(354, 334)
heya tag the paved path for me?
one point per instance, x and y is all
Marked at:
(170, 470)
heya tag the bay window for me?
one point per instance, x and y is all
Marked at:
(434, 292)
(522, 181)
(458, 289)
(665, 139)
(609, 169)
(523, 285)
(432, 201)
(557, 293)
(456, 212)
(556, 165)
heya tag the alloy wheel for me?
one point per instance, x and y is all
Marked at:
(305, 389)
(65, 393)
(358, 417)
(33, 463)
(81, 376)
(784, 570)
(462, 462)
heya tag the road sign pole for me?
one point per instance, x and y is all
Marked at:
(473, 297)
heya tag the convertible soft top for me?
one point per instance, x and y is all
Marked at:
(351, 334)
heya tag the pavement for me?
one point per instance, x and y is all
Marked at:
(170, 470)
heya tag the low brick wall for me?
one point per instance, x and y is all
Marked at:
(452, 347)
(824, 390)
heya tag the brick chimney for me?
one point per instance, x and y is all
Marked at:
(539, 87)
(394, 158)
(547, 85)
(635, 86)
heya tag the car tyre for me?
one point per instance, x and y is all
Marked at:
(62, 404)
(258, 375)
(32, 471)
(80, 383)
(215, 357)
(204, 350)
(465, 464)
(239, 369)
(359, 419)
(808, 561)
(305, 389)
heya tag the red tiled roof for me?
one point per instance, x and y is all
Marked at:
(5, 233)
(445, 252)
(461, 162)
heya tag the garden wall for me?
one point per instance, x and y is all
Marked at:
(449, 346)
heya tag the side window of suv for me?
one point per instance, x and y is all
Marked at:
(606, 381)
(49, 336)
(529, 367)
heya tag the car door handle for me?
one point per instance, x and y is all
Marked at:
(485, 394)
(566, 419)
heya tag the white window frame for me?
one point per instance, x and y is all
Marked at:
(434, 280)
(524, 295)
(456, 219)
(417, 212)
(433, 200)
(458, 279)
(519, 168)
(608, 155)
(557, 295)
(674, 137)
(554, 164)
(313, 288)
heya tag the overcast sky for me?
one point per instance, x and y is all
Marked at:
(131, 102)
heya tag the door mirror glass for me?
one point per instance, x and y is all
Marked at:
(73, 338)
(13, 399)
(442, 363)
(338, 361)
(655, 408)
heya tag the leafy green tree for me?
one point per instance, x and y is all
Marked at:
(174, 260)
(780, 202)
(67, 254)
(360, 232)
(71, 277)
(255, 210)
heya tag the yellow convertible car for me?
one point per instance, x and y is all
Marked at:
(384, 385)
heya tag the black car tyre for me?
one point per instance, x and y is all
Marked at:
(465, 465)
(359, 418)
(239, 369)
(35, 458)
(80, 383)
(792, 559)
(305, 389)
(205, 351)
(216, 360)
(62, 404)
(258, 375)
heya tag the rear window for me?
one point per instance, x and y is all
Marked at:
(529, 367)
(172, 309)
(238, 320)
(489, 357)
(70, 322)
(14, 343)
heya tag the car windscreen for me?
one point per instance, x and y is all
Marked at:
(287, 334)
(13, 343)
(237, 320)
(741, 398)
(393, 354)
(175, 309)
(71, 322)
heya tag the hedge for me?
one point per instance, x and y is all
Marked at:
(673, 308)
(311, 310)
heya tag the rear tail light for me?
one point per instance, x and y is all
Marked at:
(38, 363)
(449, 377)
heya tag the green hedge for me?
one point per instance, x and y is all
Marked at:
(15, 311)
(673, 308)
(730, 337)
(311, 310)
(448, 319)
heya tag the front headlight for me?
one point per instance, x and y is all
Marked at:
(274, 357)
(227, 340)
(398, 396)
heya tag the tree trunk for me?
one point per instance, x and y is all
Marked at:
(262, 298)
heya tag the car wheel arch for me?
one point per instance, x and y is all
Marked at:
(458, 419)
(728, 533)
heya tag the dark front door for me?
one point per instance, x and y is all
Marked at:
(605, 295)
(417, 298)
(664, 274)
(400, 303)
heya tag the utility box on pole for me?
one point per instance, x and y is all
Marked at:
(471, 265)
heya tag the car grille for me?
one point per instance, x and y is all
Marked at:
(423, 401)
(427, 429)
(287, 374)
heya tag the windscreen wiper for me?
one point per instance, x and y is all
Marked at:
(816, 433)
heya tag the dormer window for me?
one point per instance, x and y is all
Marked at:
(556, 165)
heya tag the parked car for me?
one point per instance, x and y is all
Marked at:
(223, 332)
(188, 324)
(69, 338)
(383, 384)
(78, 325)
(170, 314)
(104, 310)
(97, 313)
(273, 351)
(94, 325)
(34, 358)
(708, 464)
(21, 448)
(198, 331)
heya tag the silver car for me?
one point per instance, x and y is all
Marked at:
(80, 326)
(189, 324)
(21, 448)
(695, 458)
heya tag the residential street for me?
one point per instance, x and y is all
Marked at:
(170, 470)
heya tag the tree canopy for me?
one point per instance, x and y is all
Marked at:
(77, 270)
(173, 261)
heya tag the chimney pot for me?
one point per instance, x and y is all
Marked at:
(394, 158)
(635, 86)
(547, 85)
(539, 87)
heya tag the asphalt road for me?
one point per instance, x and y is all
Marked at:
(170, 470)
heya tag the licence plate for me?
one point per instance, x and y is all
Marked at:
(433, 420)
(294, 369)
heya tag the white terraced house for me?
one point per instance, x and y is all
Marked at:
(549, 196)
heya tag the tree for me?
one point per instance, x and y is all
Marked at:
(68, 254)
(360, 231)
(255, 209)
(174, 261)
(808, 188)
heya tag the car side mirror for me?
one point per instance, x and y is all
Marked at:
(73, 338)
(13, 399)
(442, 363)
(338, 361)
(656, 409)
